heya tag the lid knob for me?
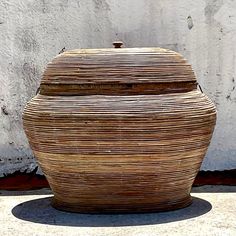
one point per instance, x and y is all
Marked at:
(117, 44)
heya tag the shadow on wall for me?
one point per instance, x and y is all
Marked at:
(41, 211)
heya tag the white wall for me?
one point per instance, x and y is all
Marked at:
(32, 32)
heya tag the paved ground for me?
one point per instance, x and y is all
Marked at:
(213, 212)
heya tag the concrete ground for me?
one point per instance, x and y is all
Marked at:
(213, 212)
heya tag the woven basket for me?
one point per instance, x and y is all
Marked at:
(119, 130)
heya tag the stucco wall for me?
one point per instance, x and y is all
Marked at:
(32, 32)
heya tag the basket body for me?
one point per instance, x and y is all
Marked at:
(120, 151)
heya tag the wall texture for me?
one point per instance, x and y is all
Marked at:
(32, 32)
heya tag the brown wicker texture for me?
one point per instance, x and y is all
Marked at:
(119, 130)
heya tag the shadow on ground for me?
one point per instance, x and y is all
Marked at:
(41, 211)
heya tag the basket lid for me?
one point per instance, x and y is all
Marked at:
(117, 71)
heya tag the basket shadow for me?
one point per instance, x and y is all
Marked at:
(41, 211)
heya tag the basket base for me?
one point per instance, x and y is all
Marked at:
(114, 209)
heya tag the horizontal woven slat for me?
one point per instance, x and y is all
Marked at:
(107, 69)
(120, 153)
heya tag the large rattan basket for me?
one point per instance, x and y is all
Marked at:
(120, 129)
